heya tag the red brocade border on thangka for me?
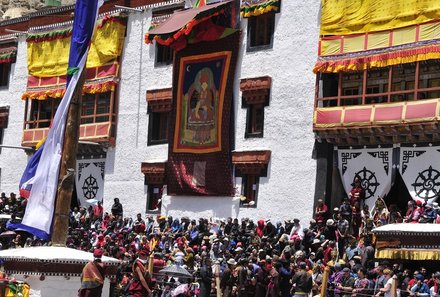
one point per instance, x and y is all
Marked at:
(192, 169)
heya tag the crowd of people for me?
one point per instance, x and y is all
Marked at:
(262, 258)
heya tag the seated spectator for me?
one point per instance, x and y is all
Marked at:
(428, 215)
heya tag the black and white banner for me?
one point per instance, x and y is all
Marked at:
(372, 166)
(90, 181)
(420, 170)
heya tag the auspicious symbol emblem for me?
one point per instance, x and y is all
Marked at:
(368, 182)
(427, 184)
(90, 187)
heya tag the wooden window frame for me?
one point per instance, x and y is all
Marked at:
(95, 115)
(5, 71)
(152, 127)
(247, 183)
(251, 118)
(415, 93)
(165, 53)
(251, 121)
(154, 196)
(30, 123)
(36, 108)
(265, 21)
(2, 130)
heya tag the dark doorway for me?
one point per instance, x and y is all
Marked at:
(398, 195)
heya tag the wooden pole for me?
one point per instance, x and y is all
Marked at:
(217, 279)
(325, 282)
(68, 159)
(151, 264)
(394, 286)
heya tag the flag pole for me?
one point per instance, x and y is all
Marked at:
(66, 178)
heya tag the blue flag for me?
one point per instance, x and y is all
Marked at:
(40, 179)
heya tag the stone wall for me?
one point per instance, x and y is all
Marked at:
(10, 9)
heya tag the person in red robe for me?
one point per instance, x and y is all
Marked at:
(321, 213)
(141, 284)
(92, 277)
(357, 193)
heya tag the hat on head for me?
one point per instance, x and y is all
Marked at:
(231, 262)
(143, 253)
(435, 205)
(437, 275)
(419, 203)
(239, 249)
(316, 241)
(97, 253)
(330, 222)
(419, 276)
(346, 269)
(302, 265)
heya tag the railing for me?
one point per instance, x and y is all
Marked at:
(97, 132)
(377, 114)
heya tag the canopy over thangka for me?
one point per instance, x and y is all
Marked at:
(181, 23)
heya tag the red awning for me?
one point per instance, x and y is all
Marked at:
(183, 21)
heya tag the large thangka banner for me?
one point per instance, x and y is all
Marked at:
(199, 160)
(372, 166)
(420, 170)
(89, 181)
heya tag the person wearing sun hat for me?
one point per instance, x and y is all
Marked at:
(228, 279)
(92, 277)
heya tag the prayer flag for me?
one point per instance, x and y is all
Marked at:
(40, 179)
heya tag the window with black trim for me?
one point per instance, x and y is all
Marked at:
(158, 127)
(5, 69)
(255, 118)
(164, 55)
(260, 31)
(249, 190)
(1, 138)
(154, 198)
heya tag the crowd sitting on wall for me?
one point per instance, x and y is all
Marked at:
(261, 259)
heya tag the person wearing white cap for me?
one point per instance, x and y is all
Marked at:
(428, 215)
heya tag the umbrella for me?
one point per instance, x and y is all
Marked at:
(8, 234)
(175, 270)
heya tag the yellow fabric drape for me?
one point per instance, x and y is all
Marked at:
(340, 17)
(378, 61)
(408, 254)
(50, 58)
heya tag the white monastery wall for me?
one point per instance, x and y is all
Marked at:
(288, 189)
(13, 161)
(285, 193)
